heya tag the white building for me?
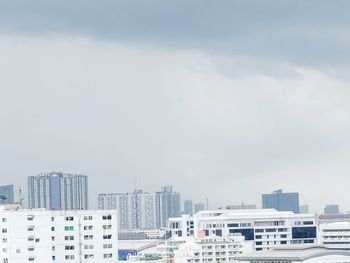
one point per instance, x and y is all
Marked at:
(297, 255)
(211, 249)
(335, 235)
(136, 210)
(268, 228)
(45, 236)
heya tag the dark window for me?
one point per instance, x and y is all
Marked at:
(258, 243)
(206, 232)
(283, 242)
(304, 232)
(248, 233)
(218, 232)
(179, 233)
(308, 222)
(257, 237)
(232, 225)
(259, 249)
(270, 230)
(283, 236)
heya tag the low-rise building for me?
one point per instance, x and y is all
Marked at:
(268, 228)
(335, 235)
(315, 254)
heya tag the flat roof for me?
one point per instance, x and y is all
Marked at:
(291, 254)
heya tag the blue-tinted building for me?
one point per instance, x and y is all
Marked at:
(58, 191)
(6, 194)
(281, 201)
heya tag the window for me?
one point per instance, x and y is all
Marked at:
(37, 240)
(69, 238)
(30, 228)
(107, 227)
(303, 232)
(4, 230)
(86, 256)
(107, 236)
(69, 248)
(87, 217)
(52, 238)
(69, 218)
(30, 248)
(107, 255)
(233, 225)
(4, 220)
(105, 246)
(69, 228)
(88, 237)
(69, 257)
(88, 246)
(107, 217)
(52, 228)
(87, 227)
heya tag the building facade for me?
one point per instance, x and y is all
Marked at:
(6, 194)
(331, 210)
(48, 236)
(188, 207)
(335, 235)
(139, 210)
(58, 191)
(281, 201)
(211, 249)
(267, 228)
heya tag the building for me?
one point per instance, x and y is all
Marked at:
(315, 254)
(188, 207)
(139, 210)
(267, 228)
(331, 210)
(6, 194)
(44, 236)
(198, 207)
(241, 206)
(211, 249)
(169, 204)
(58, 191)
(136, 210)
(281, 201)
(304, 209)
(335, 235)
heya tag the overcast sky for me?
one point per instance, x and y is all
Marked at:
(221, 99)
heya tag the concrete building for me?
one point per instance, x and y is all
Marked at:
(48, 236)
(58, 191)
(268, 228)
(304, 209)
(313, 254)
(211, 249)
(335, 235)
(6, 194)
(136, 210)
(198, 207)
(281, 201)
(139, 210)
(188, 207)
(169, 204)
(331, 210)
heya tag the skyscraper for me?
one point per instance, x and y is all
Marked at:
(58, 191)
(169, 204)
(198, 207)
(6, 194)
(136, 210)
(281, 201)
(331, 210)
(188, 207)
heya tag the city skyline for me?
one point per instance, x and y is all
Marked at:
(222, 101)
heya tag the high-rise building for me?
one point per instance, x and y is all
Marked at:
(139, 210)
(198, 207)
(6, 194)
(136, 210)
(169, 204)
(42, 236)
(281, 201)
(188, 207)
(304, 209)
(58, 191)
(331, 209)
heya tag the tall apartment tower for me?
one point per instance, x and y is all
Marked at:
(6, 194)
(58, 191)
(188, 207)
(169, 204)
(136, 210)
(281, 201)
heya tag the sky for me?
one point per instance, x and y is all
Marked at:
(224, 100)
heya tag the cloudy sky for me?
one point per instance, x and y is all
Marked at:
(221, 99)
